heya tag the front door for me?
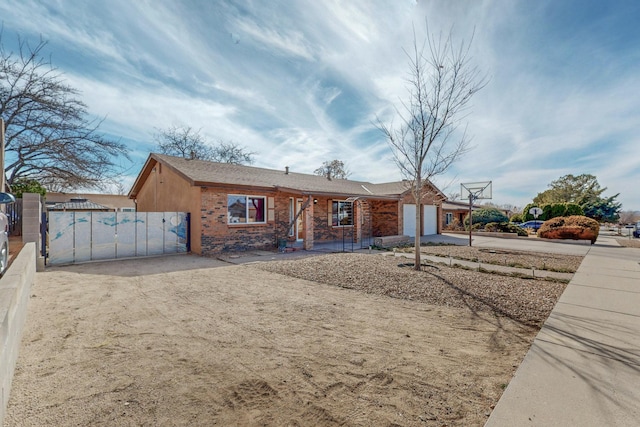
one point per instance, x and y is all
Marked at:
(299, 222)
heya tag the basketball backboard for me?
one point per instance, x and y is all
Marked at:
(478, 190)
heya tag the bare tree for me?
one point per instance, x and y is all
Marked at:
(333, 169)
(232, 152)
(440, 86)
(120, 189)
(48, 135)
(628, 217)
(183, 141)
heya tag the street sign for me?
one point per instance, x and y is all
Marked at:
(536, 212)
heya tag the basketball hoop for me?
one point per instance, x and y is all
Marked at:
(475, 191)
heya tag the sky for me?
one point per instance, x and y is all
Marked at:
(301, 82)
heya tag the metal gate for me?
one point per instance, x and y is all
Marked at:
(89, 236)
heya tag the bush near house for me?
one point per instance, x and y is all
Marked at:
(455, 225)
(505, 227)
(576, 227)
(484, 216)
(517, 218)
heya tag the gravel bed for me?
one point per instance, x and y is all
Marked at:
(527, 301)
(629, 243)
(511, 258)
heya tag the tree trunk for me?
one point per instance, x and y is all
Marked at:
(416, 265)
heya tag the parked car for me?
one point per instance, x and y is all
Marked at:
(4, 232)
(534, 224)
(636, 232)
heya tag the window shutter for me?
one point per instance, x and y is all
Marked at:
(271, 215)
(330, 212)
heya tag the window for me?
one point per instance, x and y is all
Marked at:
(245, 209)
(449, 218)
(341, 213)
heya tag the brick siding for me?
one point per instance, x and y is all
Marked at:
(384, 218)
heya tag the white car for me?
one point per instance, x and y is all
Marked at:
(4, 232)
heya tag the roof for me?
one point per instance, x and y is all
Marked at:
(206, 173)
(78, 205)
(111, 201)
(454, 205)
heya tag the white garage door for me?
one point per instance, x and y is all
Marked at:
(430, 220)
(430, 225)
(409, 220)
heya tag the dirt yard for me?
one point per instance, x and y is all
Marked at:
(192, 341)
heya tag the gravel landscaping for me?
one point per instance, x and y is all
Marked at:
(527, 301)
(511, 258)
(629, 243)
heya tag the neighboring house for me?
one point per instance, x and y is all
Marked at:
(455, 211)
(235, 207)
(77, 204)
(459, 210)
(102, 202)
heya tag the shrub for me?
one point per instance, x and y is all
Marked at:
(486, 215)
(505, 227)
(576, 227)
(517, 218)
(455, 225)
(573, 209)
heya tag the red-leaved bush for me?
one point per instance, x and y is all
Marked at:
(574, 227)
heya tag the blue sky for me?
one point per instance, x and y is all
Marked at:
(301, 82)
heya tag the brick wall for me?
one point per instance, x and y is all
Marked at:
(218, 236)
(323, 230)
(384, 218)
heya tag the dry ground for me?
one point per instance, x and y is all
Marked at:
(191, 341)
(628, 242)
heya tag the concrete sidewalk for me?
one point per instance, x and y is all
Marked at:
(583, 368)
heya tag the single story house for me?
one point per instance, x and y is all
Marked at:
(453, 211)
(237, 207)
(77, 204)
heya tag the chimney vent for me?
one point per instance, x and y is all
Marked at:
(286, 170)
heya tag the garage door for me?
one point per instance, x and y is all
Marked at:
(430, 220)
(409, 220)
(430, 225)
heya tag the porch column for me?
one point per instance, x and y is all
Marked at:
(308, 227)
(400, 216)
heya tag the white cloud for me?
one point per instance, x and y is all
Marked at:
(300, 83)
(287, 42)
